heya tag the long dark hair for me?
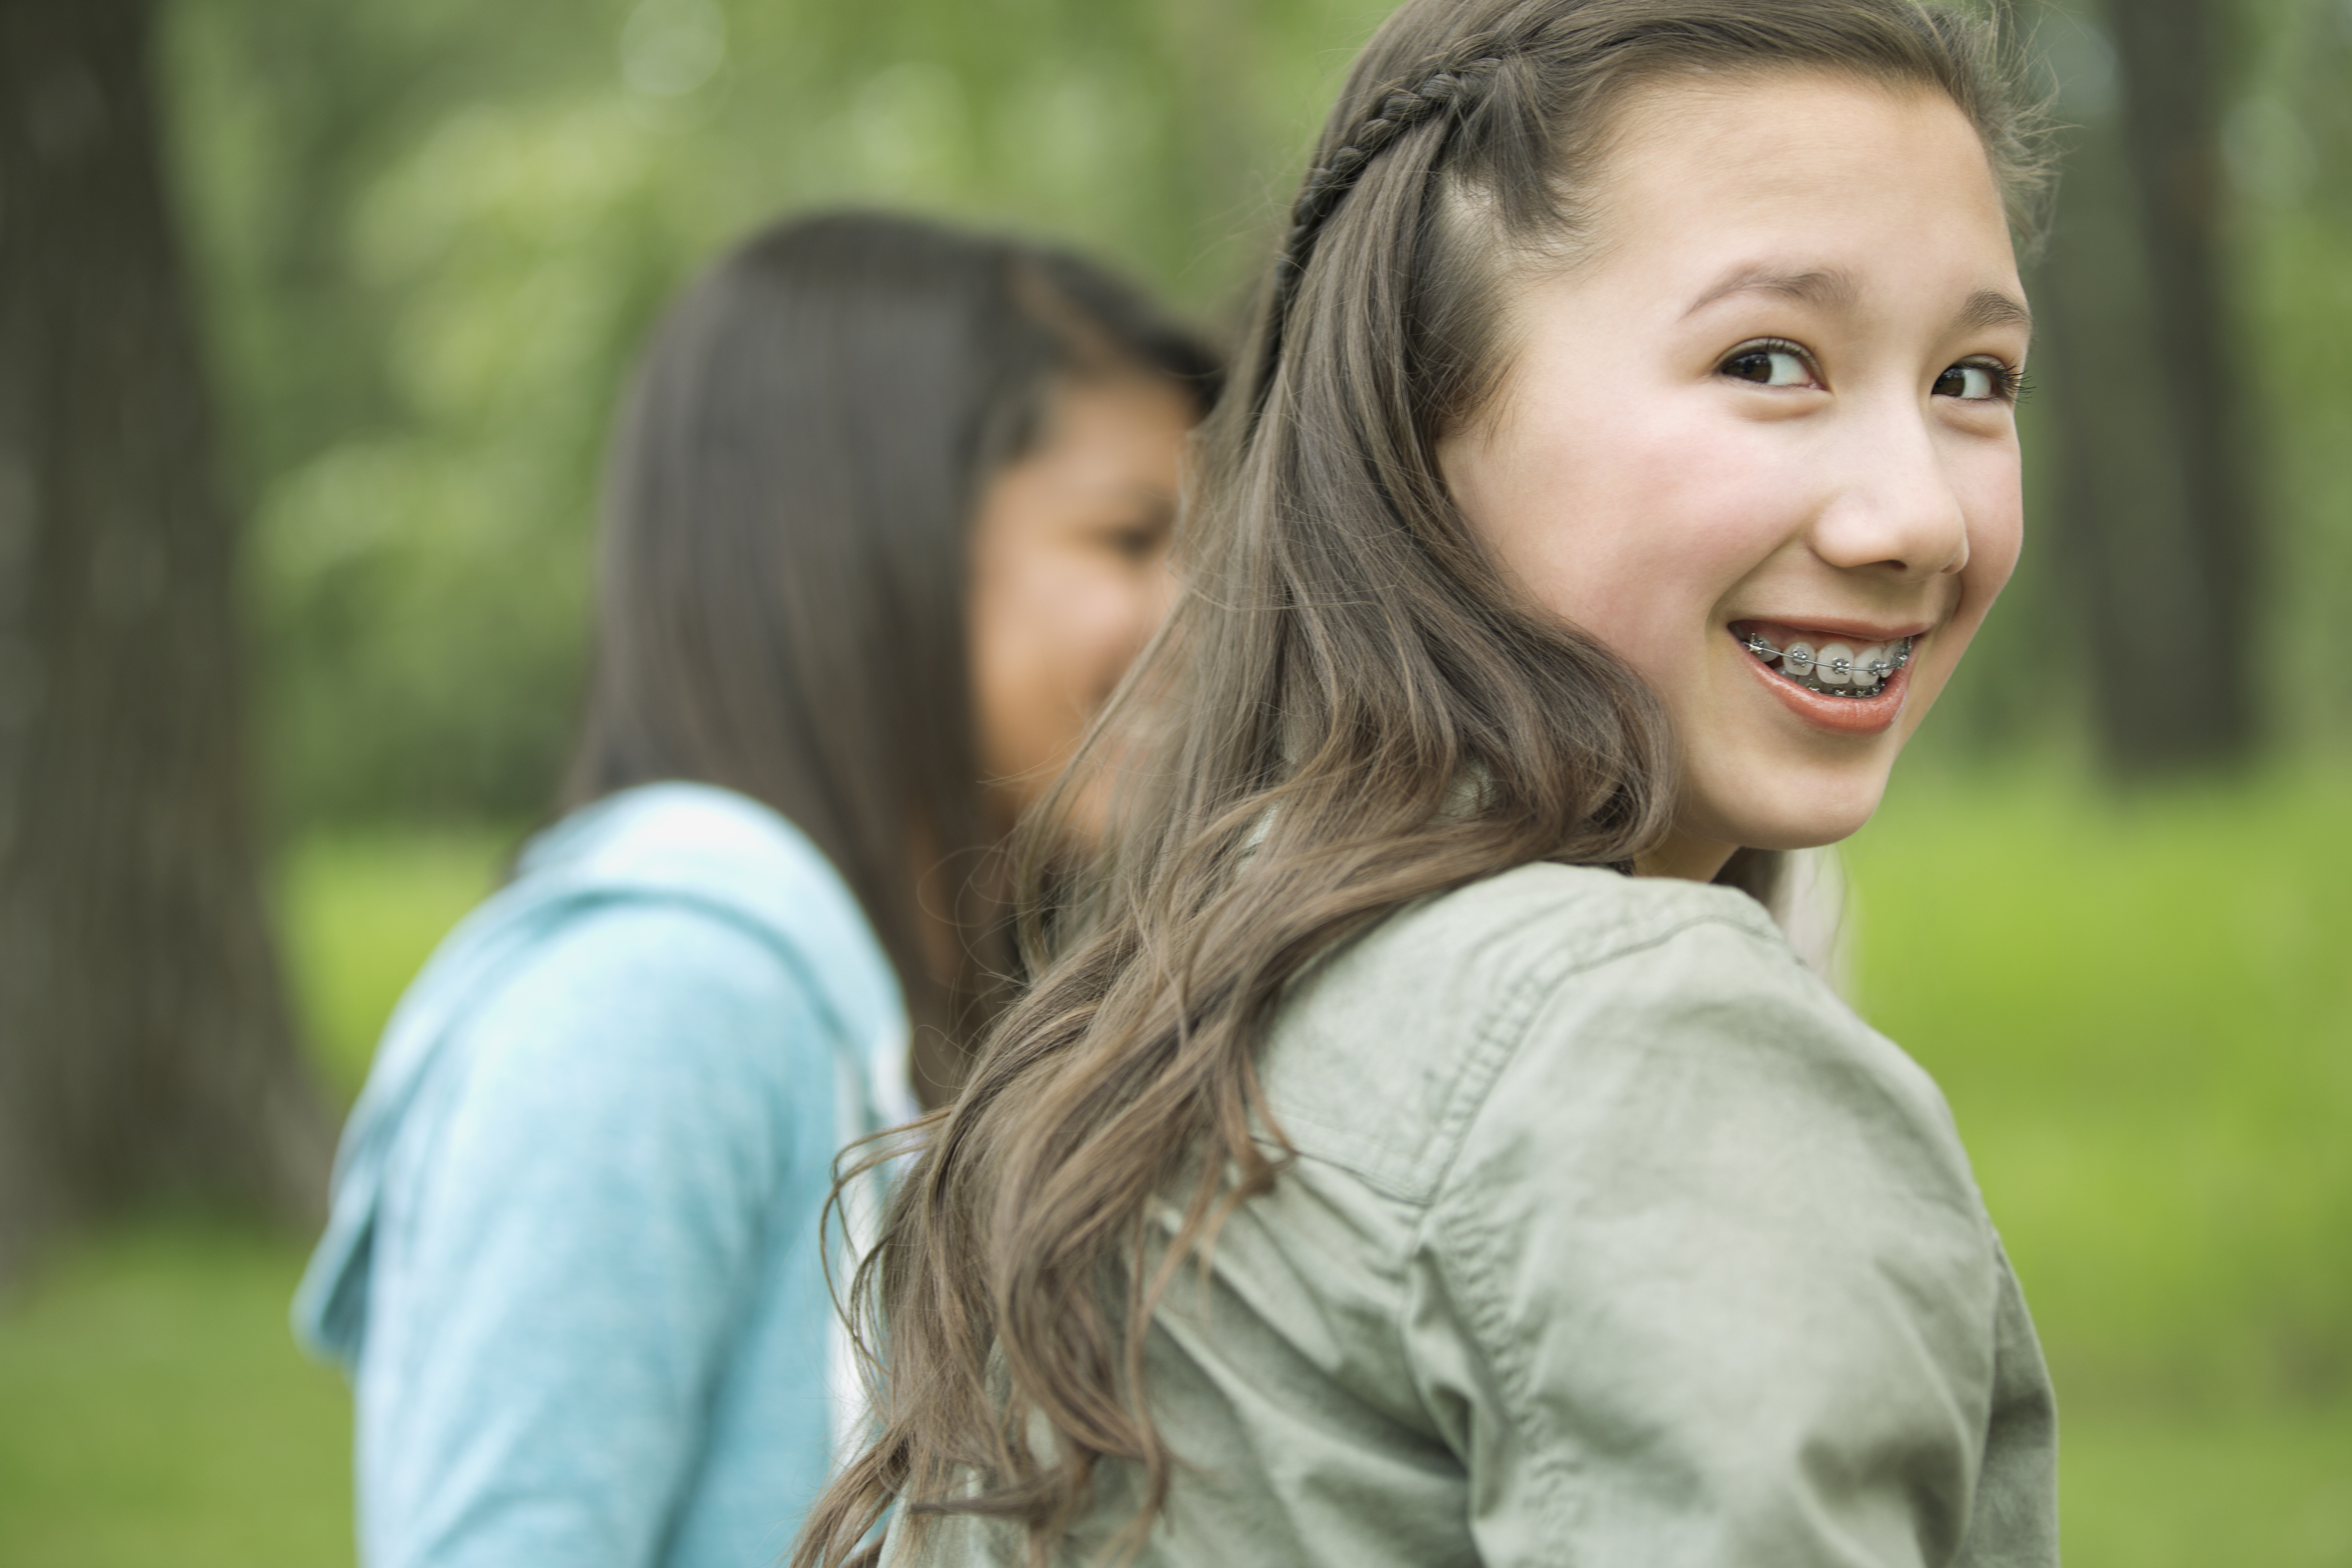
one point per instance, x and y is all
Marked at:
(782, 605)
(1350, 710)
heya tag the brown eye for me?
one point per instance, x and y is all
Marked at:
(1768, 365)
(1974, 381)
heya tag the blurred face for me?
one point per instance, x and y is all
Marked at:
(1070, 574)
(1761, 442)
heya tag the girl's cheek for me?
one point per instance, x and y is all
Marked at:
(1995, 536)
(1992, 560)
(1747, 518)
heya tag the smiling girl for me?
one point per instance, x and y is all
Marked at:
(1412, 1152)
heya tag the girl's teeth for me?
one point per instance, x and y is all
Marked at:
(1865, 676)
(1832, 666)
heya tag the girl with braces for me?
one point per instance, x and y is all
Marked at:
(1418, 1146)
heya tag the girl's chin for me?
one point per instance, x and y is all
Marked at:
(1801, 810)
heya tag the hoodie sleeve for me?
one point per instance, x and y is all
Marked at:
(570, 1242)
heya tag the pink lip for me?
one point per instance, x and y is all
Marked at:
(1843, 715)
(1854, 631)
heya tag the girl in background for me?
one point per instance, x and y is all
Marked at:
(1418, 1146)
(887, 518)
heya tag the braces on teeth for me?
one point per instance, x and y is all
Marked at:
(1855, 679)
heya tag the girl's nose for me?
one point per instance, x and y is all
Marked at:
(1895, 508)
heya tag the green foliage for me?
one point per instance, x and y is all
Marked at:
(360, 915)
(433, 234)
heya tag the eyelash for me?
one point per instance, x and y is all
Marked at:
(1759, 346)
(2011, 385)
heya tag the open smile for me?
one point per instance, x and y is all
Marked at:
(1836, 680)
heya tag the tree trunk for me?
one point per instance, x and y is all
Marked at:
(144, 1048)
(2172, 145)
(2157, 525)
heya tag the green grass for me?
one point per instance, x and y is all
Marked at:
(2263, 1489)
(2142, 1014)
(153, 1411)
(2141, 1011)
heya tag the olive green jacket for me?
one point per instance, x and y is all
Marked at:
(1614, 1240)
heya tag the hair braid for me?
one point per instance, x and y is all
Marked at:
(1453, 85)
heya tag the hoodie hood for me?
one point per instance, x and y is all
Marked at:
(674, 843)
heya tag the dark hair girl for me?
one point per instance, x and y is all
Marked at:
(786, 607)
(1405, 1155)
(887, 518)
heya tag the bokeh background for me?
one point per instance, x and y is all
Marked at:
(2109, 901)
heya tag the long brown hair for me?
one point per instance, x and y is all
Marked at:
(783, 582)
(1348, 712)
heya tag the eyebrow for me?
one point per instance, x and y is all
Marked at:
(1992, 308)
(1833, 289)
(1828, 288)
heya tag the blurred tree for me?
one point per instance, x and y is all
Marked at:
(2159, 523)
(2287, 146)
(431, 234)
(145, 1049)
(2173, 55)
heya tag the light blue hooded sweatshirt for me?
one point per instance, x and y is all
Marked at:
(574, 1264)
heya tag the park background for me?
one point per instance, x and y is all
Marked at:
(416, 244)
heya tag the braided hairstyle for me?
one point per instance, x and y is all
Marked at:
(1290, 754)
(1449, 91)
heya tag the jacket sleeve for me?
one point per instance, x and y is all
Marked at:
(573, 1241)
(1709, 1284)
